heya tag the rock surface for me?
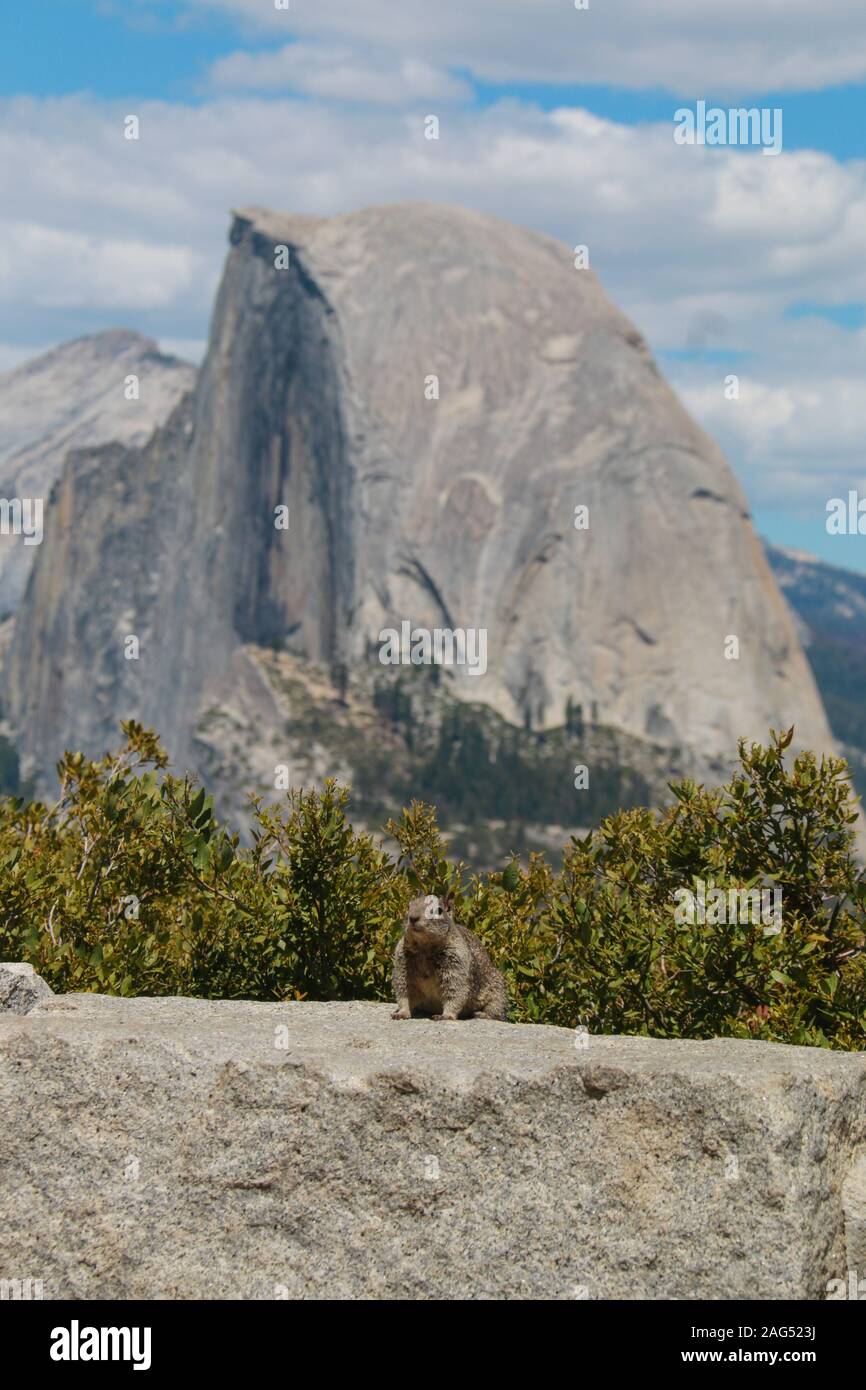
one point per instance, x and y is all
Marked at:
(177, 1148)
(21, 989)
(70, 398)
(449, 512)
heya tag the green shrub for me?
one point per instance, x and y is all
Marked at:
(128, 885)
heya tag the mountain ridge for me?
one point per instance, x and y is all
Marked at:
(452, 509)
(74, 396)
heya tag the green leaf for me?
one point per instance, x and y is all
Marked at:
(201, 853)
(511, 876)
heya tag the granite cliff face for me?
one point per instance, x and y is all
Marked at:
(73, 397)
(319, 394)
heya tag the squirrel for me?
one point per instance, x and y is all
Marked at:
(442, 970)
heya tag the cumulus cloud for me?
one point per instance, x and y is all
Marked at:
(733, 48)
(340, 74)
(703, 247)
(54, 268)
(797, 432)
(188, 349)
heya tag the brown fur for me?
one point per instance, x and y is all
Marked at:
(441, 970)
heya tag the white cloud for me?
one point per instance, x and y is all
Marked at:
(695, 244)
(682, 46)
(339, 74)
(797, 433)
(188, 349)
(57, 269)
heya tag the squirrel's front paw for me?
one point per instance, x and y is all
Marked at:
(401, 1013)
(444, 1018)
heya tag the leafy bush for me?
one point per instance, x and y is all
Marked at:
(129, 885)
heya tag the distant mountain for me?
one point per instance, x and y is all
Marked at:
(830, 607)
(430, 396)
(78, 395)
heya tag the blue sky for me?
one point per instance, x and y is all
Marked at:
(727, 261)
(54, 49)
